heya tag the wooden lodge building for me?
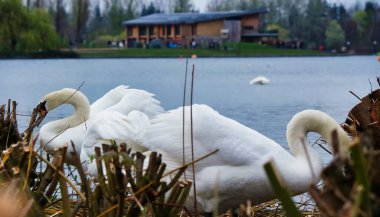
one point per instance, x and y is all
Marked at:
(200, 27)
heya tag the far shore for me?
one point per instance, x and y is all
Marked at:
(172, 53)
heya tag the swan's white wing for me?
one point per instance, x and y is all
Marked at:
(51, 141)
(237, 144)
(140, 100)
(112, 125)
(109, 99)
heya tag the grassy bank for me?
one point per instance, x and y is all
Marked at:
(233, 50)
(230, 50)
(39, 54)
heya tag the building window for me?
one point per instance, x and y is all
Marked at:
(151, 30)
(177, 30)
(129, 31)
(169, 30)
(142, 30)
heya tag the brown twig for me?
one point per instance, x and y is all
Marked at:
(183, 117)
(192, 139)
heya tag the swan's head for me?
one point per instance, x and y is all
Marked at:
(64, 96)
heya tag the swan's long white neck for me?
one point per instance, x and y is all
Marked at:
(66, 96)
(312, 121)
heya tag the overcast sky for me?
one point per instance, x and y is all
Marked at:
(202, 4)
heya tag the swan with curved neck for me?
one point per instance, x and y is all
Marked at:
(237, 168)
(74, 128)
(49, 132)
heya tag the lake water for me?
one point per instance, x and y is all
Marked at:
(296, 84)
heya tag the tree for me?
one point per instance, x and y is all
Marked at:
(115, 16)
(183, 6)
(334, 35)
(362, 20)
(39, 3)
(39, 33)
(282, 32)
(25, 30)
(220, 5)
(151, 9)
(80, 11)
(12, 20)
(164, 5)
(315, 23)
(247, 4)
(98, 22)
(60, 17)
(370, 9)
(119, 11)
(131, 9)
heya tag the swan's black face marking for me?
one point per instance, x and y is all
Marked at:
(42, 108)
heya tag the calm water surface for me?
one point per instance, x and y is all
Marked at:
(223, 83)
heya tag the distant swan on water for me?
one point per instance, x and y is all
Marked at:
(237, 168)
(115, 105)
(259, 80)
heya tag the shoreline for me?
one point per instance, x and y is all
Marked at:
(114, 53)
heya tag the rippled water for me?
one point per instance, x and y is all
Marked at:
(223, 83)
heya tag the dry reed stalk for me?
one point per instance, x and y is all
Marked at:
(192, 139)
(62, 176)
(183, 116)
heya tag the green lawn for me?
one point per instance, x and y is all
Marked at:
(233, 50)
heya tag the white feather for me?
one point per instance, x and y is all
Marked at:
(237, 168)
(57, 133)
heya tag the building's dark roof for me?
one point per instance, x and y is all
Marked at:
(189, 18)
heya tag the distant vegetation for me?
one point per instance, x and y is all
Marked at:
(229, 50)
(317, 22)
(23, 29)
(42, 25)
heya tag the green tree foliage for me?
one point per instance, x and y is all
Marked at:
(220, 5)
(283, 33)
(316, 23)
(334, 35)
(12, 21)
(81, 10)
(98, 23)
(362, 20)
(248, 4)
(151, 9)
(227, 5)
(25, 30)
(39, 33)
(183, 6)
(60, 17)
(118, 12)
(366, 21)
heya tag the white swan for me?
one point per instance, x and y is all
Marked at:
(110, 126)
(237, 169)
(76, 133)
(259, 80)
(57, 133)
(109, 99)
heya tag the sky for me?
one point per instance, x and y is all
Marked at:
(202, 4)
